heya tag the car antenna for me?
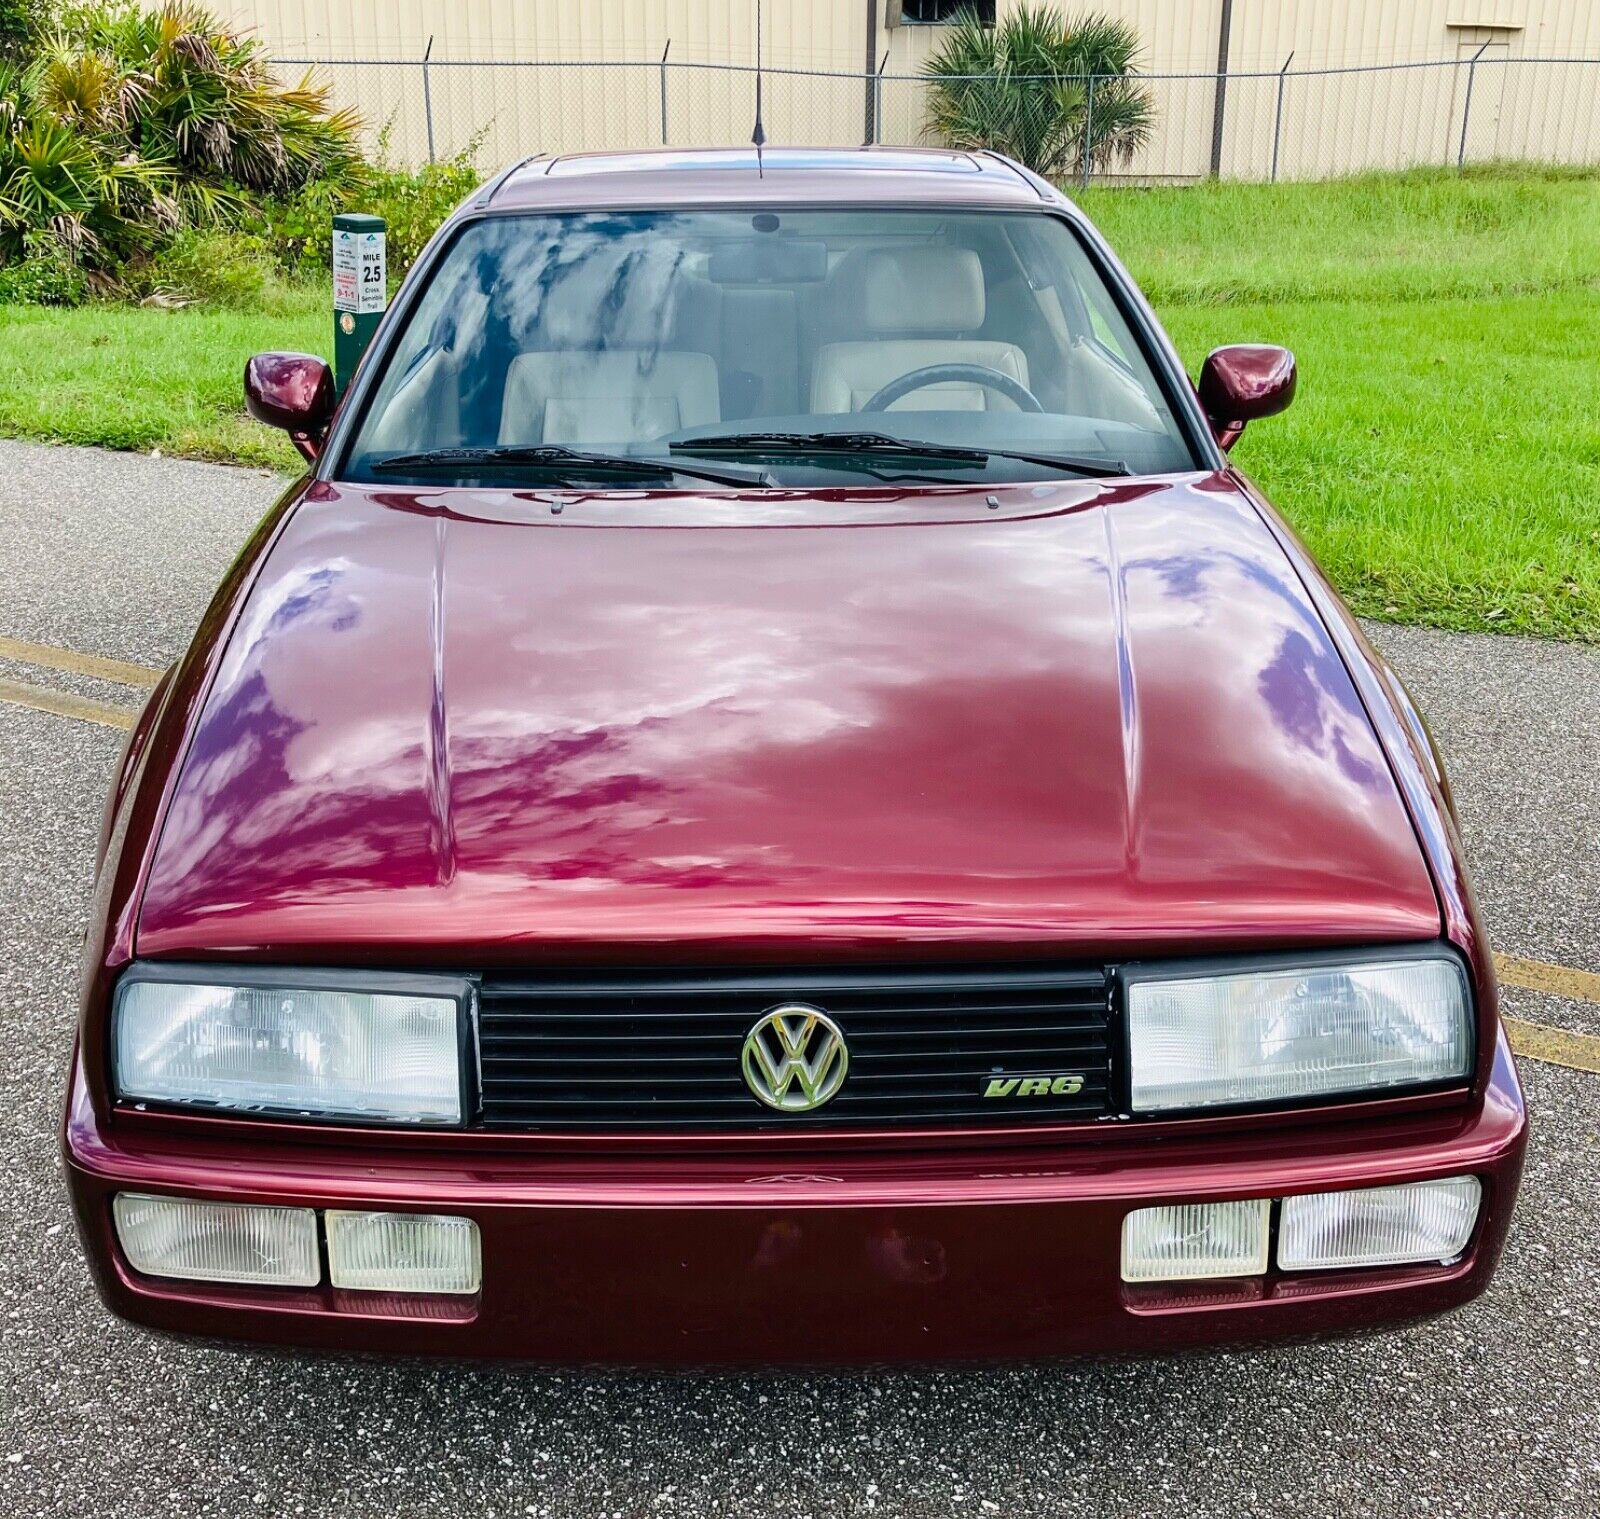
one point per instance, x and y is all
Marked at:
(759, 135)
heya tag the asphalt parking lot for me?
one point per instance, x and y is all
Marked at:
(1490, 1412)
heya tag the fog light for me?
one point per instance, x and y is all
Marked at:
(1188, 1241)
(1379, 1226)
(217, 1242)
(403, 1252)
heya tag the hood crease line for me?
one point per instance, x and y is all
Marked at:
(437, 740)
(1127, 697)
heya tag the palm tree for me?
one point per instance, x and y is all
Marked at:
(1058, 95)
(129, 124)
(65, 177)
(205, 97)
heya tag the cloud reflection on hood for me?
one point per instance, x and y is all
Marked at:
(901, 730)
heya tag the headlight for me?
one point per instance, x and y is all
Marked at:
(309, 1043)
(1278, 1034)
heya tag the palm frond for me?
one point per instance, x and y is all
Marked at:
(132, 123)
(1052, 93)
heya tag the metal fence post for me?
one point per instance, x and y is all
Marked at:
(877, 99)
(1086, 152)
(427, 95)
(664, 51)
(1219, 104)
(1277, 116)
(1466, 107)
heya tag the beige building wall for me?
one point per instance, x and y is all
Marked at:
(599, 83)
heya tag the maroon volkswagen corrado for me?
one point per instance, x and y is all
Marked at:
(772, 796)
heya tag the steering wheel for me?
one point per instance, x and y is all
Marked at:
(939, 374)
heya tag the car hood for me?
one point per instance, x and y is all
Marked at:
(476, 727)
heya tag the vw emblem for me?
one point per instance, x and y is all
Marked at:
(795, 1058)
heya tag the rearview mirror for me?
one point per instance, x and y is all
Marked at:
(293, 391)
(1242, 382)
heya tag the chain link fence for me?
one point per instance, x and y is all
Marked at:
(1285, 123)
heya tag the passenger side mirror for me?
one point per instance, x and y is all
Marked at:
(293, 391)
(1242, 382)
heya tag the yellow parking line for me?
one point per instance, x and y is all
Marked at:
(48, 657)
(1538, 1041)
(1553, 980)
(65, 704)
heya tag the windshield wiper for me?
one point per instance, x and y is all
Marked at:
(570, 463)
(880, 444)
(824, 443)
(1070, 462)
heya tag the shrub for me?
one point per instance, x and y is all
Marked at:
(129, 125)
(1023, 88)
(216, 267)
(411, 201)
(204, 98)
(63, 183)
(20, 22)
(45, 275)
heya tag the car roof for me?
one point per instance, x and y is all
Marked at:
(823, 176)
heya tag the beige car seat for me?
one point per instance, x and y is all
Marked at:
(923, 304)
(614, 396)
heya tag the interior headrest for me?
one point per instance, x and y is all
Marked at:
(919, 290)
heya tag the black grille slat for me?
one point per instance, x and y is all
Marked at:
(1012, 1009)
(1065, 1036)
(543, 1122)
(662, 1054)
(605, 1089)
(863, 1062)
(886, 1065)
(646, 1101)
(662, 1032)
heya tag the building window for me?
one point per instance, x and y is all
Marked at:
(942, 12)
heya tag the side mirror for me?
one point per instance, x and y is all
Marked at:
(293, 391)
(1242, 382)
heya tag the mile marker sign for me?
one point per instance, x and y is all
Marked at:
(360, 288)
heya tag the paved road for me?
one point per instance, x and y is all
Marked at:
(1490, 1412)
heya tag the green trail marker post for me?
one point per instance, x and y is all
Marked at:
(360, 289)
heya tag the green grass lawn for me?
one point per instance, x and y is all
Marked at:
(1442, 459)
(132, 377)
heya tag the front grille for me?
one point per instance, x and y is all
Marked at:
(662, 1053)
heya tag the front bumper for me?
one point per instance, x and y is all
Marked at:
(844, 1257)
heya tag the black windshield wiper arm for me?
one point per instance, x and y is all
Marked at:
(885, 443)
(1072, 462)
(569, 462)
(824, 443)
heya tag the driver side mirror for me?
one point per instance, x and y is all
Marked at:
(293, 391)
(1242, 382)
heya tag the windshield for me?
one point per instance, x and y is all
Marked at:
(712, 348)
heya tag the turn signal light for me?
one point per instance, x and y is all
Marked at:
(1188, 1241)
(404, 1252)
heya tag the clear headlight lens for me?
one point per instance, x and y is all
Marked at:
(1379, 1226)
(297, 1045)
(218, 1242)
(1274, 1035)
